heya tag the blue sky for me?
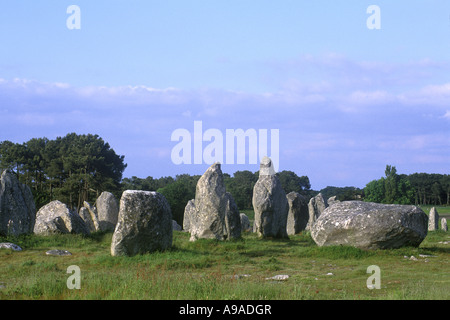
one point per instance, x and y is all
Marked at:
(347, 100)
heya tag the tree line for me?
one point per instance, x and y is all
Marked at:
(77, 168)
(72, 169)
(416, 188)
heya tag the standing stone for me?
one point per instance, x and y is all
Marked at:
(433, 220)
(92, 219)
(245, 223)
(189, 213)
(232, 218)
(144, 224)
(444, 224)
(316, 206)
(368, 225)
(17, 208)
(269, 203)
(298, 213)
(107, 211)
(56, 217)
(332, 200)
(86, 216)
(213, 214)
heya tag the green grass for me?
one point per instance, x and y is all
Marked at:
(209, 269)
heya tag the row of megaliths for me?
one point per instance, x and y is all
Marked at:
(213, 213)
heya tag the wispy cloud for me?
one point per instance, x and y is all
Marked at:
(333, 114)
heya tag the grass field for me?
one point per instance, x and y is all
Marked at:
(208, 269)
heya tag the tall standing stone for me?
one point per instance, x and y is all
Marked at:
(17, 208)
(269, 203)
(433, 220)
(144, 224)
(213, 214)
(298, 213)
(107, 211)
(316, 206)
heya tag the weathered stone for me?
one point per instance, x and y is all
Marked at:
(298, 213)
(107, 211)
(9, 245)
(17, 208)
(332, 200)
(56, 217)
(433, 220)
(233, 226)
(245, 223)
(86, 216)
(444, 224)
(213, 214)
(316, 206)
(269, 203)
(93, 216)
(369, 225)
(189, 214)
(144, 224)
(57, 252)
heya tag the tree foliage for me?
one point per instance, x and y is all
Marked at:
(72, 169)
(416, 188)
(342, 193)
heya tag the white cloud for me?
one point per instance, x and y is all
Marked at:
(447, 115)
(331, 112)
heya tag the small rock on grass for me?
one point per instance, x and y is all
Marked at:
(9, 245)
(279, 277)
(58, 253)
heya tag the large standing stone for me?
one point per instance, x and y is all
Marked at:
(269, 203)
(107, 211)
(144, 224)
(316, 206)
(56, 217)
(369, 225)
(17, 208)
(213, 214)
(298, 213)
(433, 220)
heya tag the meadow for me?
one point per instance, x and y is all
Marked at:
(224, 270)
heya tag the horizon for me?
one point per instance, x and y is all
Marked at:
(350, 89)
